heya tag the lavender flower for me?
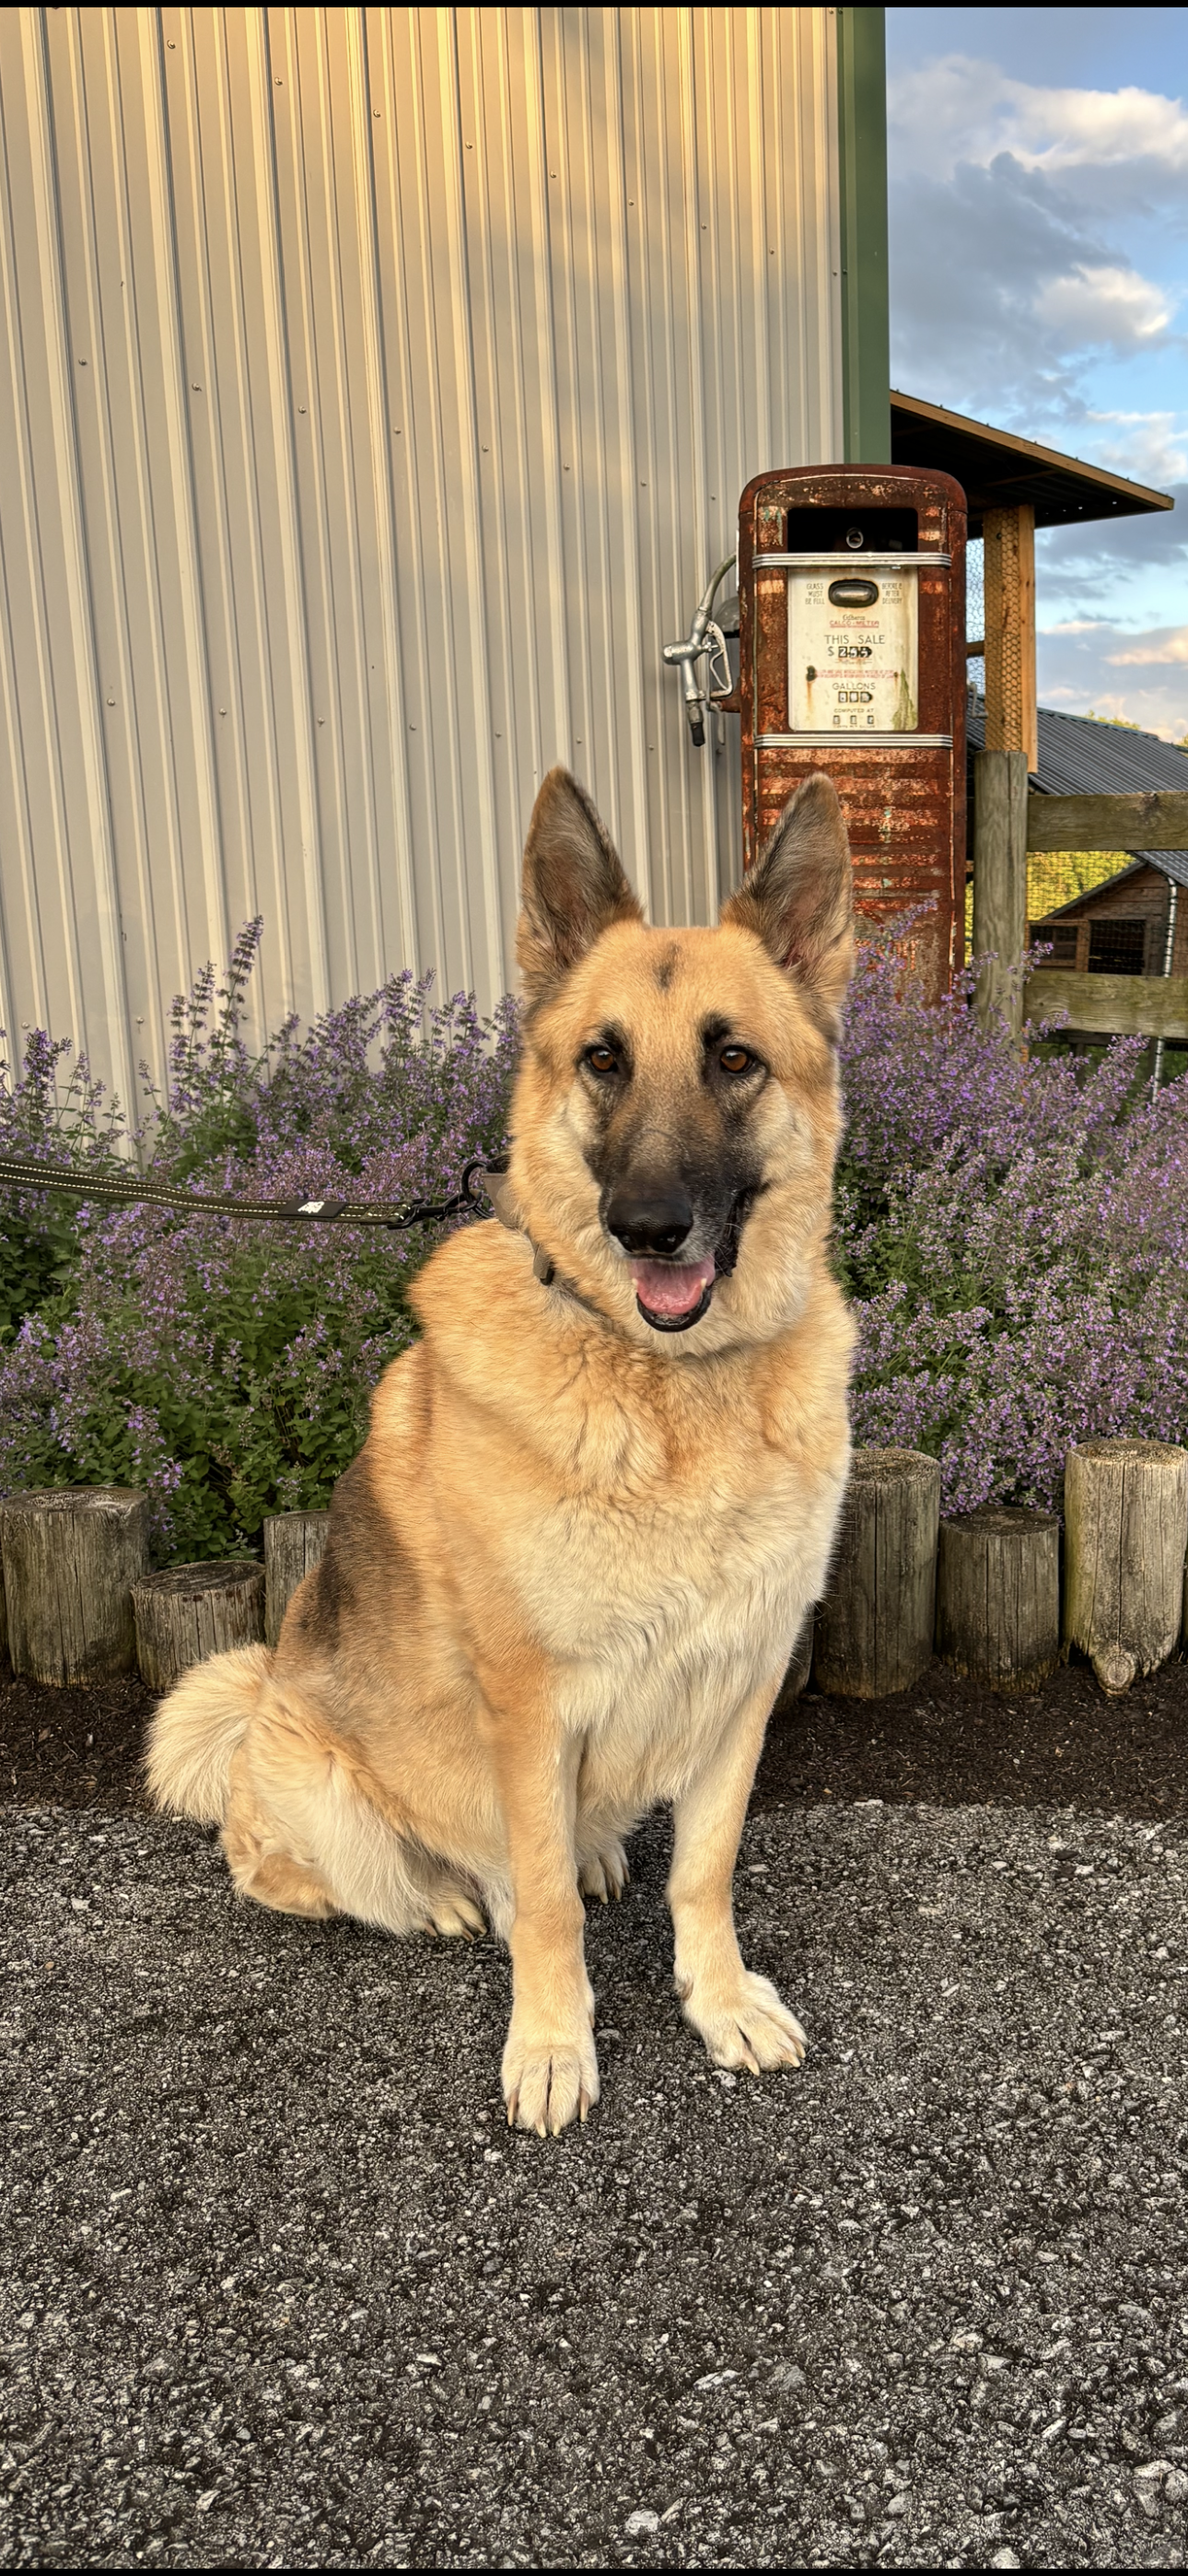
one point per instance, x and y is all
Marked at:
(1014, 1237)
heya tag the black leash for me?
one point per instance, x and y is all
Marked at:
(106, 1189)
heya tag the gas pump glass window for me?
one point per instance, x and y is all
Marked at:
(853, 654)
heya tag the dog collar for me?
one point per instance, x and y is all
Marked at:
(499, 1191)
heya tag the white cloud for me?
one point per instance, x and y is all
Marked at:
(1169, 644)
(1092, 666)
(1153, 450)
(1104, 307)
(1002, 318)
(957, 109)
(1038, 274)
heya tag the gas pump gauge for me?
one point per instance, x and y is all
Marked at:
(853, 650)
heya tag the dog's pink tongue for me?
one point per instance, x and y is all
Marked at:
(669, 1287)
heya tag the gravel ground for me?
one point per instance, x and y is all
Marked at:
(282, 2289)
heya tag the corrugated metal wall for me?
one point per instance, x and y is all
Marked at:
(376, 391)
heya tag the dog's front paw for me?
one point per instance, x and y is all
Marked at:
(550, 2076)
(745, 2024)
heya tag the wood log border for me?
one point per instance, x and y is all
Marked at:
(294, 1542)
(1013, 1594)
(75, 1586)
(192, 1611)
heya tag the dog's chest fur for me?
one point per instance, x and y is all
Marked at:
(666, 1610)
(663, 1534)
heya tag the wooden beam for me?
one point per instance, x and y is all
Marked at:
(1000, 882)
(1114, 1006)
(1009, 572)
(1158, 821)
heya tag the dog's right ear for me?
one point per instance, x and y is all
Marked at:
(574, 885)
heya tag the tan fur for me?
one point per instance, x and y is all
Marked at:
(566, 1572)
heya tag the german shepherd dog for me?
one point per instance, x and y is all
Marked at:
(566, 1573)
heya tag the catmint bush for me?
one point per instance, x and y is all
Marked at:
(226, 1366)
(1014, 1236)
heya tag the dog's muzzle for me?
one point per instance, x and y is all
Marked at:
(672, 1296)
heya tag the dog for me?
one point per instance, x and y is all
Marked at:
(565, 1574)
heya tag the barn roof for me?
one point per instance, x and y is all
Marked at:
(1080, 757)
(998, 469)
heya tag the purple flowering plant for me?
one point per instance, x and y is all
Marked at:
(226, 1367)
(1014, 1235)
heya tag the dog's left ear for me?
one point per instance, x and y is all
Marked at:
(797, 899)
(574, 885)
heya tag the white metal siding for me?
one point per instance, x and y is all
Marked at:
(376, 390)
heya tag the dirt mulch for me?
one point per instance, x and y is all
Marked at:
(948, 1743)
(73, 1748)
(945, 1743)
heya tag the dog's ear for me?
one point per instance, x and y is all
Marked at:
(574, 886)
(797, 899)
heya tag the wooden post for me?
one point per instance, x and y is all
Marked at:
(998, 1596)
(1000, 882)
(71, 1557)
(192, 1611)
(1126, 1536)
(1008, 554)
(294, 1542)
(874, 1627)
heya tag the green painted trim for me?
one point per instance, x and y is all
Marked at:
(866, 328)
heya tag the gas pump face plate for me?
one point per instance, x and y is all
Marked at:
(853, 651)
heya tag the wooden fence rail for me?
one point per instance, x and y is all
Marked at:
(1008, 824)
(1112, 1006)
(1155, 822)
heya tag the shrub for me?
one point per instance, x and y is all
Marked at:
(1015, 1238)
(227, 1366)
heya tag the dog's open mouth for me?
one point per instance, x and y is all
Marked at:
(671, 1295)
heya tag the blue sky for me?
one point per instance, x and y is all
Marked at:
(1039, 279)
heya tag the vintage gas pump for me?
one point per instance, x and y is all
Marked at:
(852, 659)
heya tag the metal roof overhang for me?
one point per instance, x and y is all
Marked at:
(998, 470)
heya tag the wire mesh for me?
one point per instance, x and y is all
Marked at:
(975, 615)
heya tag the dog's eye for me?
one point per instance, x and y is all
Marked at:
(736, 1059)
(601, 1059)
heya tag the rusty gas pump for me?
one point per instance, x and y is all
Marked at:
(851, 584)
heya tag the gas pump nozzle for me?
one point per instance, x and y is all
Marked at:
(703, 638)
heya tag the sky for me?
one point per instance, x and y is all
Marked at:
(1039, 280)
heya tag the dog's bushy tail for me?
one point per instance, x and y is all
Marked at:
(196, 1730)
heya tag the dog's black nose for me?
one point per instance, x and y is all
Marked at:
(650, 1221)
